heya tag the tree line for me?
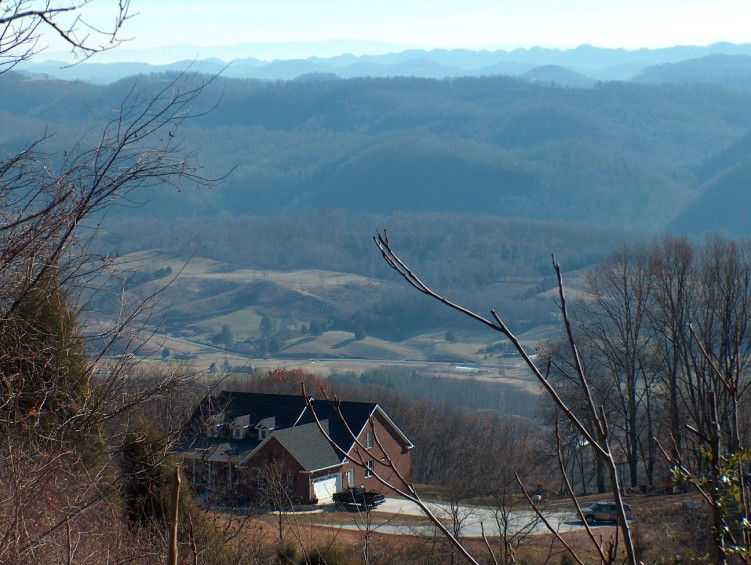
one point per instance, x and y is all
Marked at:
(648, 313)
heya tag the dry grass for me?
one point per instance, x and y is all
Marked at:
(663, 529)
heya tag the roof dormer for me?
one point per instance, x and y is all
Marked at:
(265, 427)
(240, 426)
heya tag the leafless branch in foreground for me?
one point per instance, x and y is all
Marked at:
(570, 492)
(23, 23)
(599, 440)
(548, 525)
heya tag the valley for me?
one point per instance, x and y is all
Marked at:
(205, 296)
(177, 244)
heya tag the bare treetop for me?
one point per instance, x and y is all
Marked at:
(24, 22)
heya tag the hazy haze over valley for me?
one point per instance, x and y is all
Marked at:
(512, 237)
(490, 155)
(495, 159)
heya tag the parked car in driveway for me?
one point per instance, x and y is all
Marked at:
(604, 511)
(358, 496)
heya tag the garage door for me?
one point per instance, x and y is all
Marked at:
(325, 487)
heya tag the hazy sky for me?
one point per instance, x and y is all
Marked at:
(437, 23)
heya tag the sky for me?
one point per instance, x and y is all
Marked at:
(208, 27)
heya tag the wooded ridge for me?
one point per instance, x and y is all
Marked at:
(618, 154)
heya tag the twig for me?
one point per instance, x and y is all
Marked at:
(548, 525)
(408, 491)
(570, 491)
(175, 507)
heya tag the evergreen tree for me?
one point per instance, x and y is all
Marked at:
(146, 468)
(360, 332)
(44, 369)
(317, 328)
(266, 327)
(224, 337)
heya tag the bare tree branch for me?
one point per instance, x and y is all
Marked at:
(405, 489)
(548, 525)
(600, 443)
(24, 22)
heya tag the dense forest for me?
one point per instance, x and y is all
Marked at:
(492, 145)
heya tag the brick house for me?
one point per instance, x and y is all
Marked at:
(247, 446)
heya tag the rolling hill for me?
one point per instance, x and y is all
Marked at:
(729, 71)
(629, 156)
(723, 204)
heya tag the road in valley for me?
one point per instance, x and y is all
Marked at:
(511, 370)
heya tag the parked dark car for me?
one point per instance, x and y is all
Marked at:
(604, 512)
(358, 496)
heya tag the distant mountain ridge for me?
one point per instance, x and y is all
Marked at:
(628, 155)
(592, 63)
(729, 71)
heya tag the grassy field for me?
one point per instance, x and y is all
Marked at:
(204, 295)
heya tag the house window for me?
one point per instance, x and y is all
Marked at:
(368, 439)
(350, 477)
(369, 468)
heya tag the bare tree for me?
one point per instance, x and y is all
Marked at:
(672, 268)
(60, 398)
(275, 482)
(670, 316)
(723, 328)
(561, 369)
(513, 452)
(615, 324)
(601, 439)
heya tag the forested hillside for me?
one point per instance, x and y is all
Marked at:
(503, 262)
(617, 154)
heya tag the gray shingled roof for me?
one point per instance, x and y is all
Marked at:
(294, 425)
(309, 446)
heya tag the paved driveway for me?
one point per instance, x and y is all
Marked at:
(476, 519)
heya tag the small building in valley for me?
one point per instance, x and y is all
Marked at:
(268, 448)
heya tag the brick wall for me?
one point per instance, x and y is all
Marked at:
(276, 459)
(392, 444)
